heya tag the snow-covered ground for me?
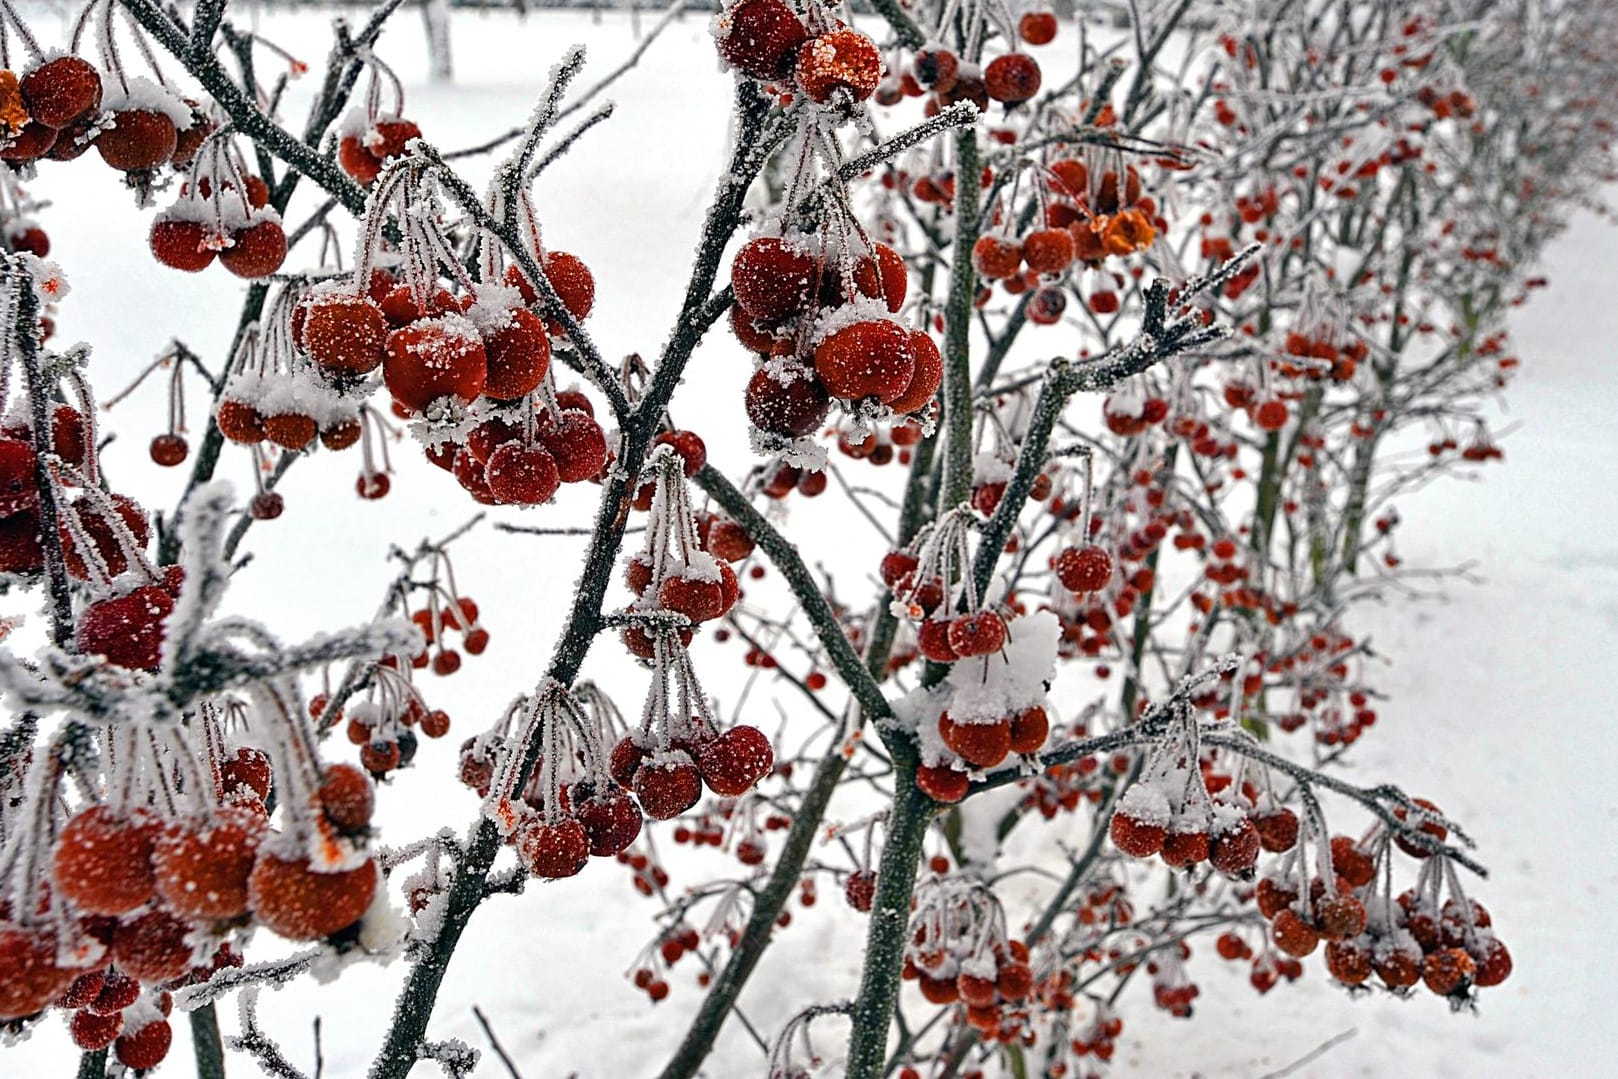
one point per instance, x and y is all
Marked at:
(1501, 691)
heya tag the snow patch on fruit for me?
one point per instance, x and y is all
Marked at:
(140, 93)
(999, 685)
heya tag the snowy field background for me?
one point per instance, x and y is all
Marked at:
(1502, 690)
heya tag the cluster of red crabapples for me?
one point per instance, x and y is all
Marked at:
(103, 538)
(274, 398)
(1084, 213)
(1447, 945)
(140, 893)
(813, 54)
(370, 135)
(994, 709)
(20, 548)
(62, 104)
(1168, 811)
(958, 951)
(567, 806)
(1011, 78)
(222, 211)
(818, 310)
(678, 571)
(678, 747)
(471, 360)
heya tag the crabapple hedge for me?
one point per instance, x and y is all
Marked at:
(1110, 342)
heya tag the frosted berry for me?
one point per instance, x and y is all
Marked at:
(18, 489)
(1083, 569)
(732, 763)
(1186, 848)
(127, 630)
(860, 890)
(1447, 971)
(1271, 416)
(61, 92)
(1399, 970)
(792, 409)
(1235, 850)
(611, 820)
(341, 434)
(401, 307)
(433, 358)
(1293, 935)
(699, 600)
(928, 376)
(872, 358)
(169, 450)
(201, 868)
(345, 335)
(1134, 836)
(522, 475)
(291, 430)
(693, 452)
(84, 990)
(936, 69)
(153, 947)
(996, 257)
(347, 798)
(760, 37)
(145, 1048)
(728, 540)
(189, 141)
(1348, 962)
(1341, 917)
(574, 284)
(256, 251)
(34, 141)
(625, 760)
(667, 787)
(977, 634)
(1277, 829)
(1493, 962)
(555, 850)
(1046, 306)
(577, 444)
(839, 60)
(1048, 251)
(20, 549)
(754, 336)
(29, 976)
(1037, 27)
(298, 903)
(1029, 729)
(1431, 828)
(932, 638)
(181, 245)
(942, 783)
(1015, 980)
(773, 279)
(91, 1032)
(1351, 863)
(519, 354)
(138, 139)
(103, 862)
(239, 421)
(982, 745)
(266, 506)
(1012, 78)
(249, 768)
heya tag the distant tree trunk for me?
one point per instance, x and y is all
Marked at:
(435, 19)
